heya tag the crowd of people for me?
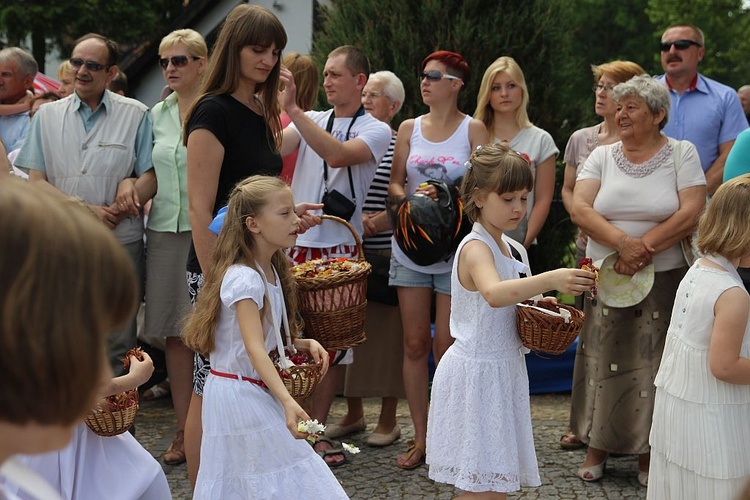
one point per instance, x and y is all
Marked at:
(662, 368)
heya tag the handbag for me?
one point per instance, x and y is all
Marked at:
(378, 289)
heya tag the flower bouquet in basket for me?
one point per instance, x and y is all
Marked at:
(332, 297)
(297, 370)
(115, 414)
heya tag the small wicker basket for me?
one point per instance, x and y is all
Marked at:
(113, 415)
(547, 333)
(300, 380)
(333, 307)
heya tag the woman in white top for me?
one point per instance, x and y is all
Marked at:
(432, 146)
(638, 197)
(501, 106)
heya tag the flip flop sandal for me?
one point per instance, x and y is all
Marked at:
(329, 452)
(413, 448)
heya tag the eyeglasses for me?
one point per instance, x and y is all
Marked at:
(436, 76)
(678, 44)
(599, 87)
(177, 61)
(372, 95)
(90, 65)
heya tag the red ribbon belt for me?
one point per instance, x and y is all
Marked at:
(239, 377)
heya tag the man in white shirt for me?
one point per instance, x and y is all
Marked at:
(340, 150)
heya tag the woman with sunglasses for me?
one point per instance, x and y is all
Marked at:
(182, 56)
(445, 137)
(580, 145)
(502, 106)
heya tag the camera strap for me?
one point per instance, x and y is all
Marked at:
(329, 129)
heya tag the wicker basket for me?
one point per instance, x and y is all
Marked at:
(114, 415)
(300, 380)
(546, 333)
(333, 307)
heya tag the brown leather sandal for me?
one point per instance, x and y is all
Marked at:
(414, 447)
(569, 441)
(175, 454)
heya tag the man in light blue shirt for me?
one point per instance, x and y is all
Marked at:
(17, 71)
(704, 111)
(96, 145)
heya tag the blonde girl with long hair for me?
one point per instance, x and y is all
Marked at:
(502, 106)
(251, 443)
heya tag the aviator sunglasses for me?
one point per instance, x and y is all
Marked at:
(90, 65)
(436, 76)
(678, 44)
(177, 61)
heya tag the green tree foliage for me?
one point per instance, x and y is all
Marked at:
(58, 23)
(725, 25)
(398, 34)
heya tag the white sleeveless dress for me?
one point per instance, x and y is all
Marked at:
(700, 435)
(479, 435)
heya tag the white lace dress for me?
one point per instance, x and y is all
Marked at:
(479, 435)
(700, 435)
(247, 451)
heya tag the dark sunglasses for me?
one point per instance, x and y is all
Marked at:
(678, 44)
(436, 76)
(90, 65)
(177, 61)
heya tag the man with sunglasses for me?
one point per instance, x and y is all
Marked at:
(704, 111)
(17, 71)
(96, 145)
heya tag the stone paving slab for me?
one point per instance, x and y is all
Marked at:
(372, 474)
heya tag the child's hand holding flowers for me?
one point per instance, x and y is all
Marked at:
(313, 428)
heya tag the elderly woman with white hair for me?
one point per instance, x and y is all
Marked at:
(636, 199)
(383, 353)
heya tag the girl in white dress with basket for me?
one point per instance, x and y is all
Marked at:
(251, 447)
(700, 435)
(479, 435)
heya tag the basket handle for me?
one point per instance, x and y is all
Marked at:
(357, 239)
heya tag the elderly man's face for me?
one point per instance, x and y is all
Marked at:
(89, 84)
(13, 85)
(678, 63)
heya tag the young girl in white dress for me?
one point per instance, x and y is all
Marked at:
(112, 467)
(251, 447)
(700, 435)
(479, 435)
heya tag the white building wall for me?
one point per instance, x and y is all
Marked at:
(295, 15)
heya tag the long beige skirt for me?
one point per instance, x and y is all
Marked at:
(618, 355)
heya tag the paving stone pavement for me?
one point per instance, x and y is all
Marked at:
(372, 474)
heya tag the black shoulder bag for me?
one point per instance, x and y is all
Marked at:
(335, 203)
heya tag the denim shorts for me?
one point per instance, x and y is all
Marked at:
(400, 275)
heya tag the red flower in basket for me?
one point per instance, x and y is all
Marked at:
(588, 265)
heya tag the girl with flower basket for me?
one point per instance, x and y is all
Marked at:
(251, 442)
(480, 393)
